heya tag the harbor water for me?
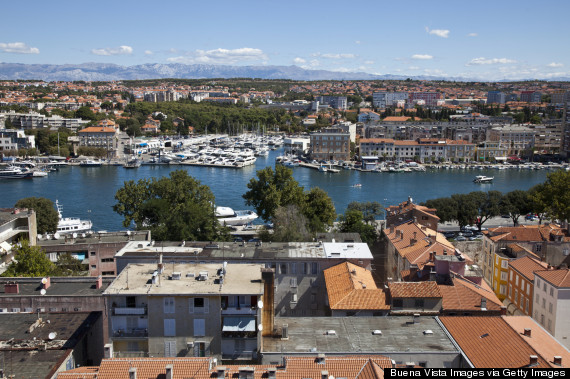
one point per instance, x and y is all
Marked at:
(89, 192)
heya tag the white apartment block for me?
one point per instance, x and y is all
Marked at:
(551, 303)
(12, 140)
(387, 99)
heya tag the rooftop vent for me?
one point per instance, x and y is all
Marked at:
(176, 275)
(203, 275)
(377, 332)
(428, 332)
(557, 360)
(533, 360)
(321, 358)
(527, 332)
(246, 372)
(330, 332)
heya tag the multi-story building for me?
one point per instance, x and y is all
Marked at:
(548, 138)
(368, 116)
(330, 144)
(488, 151)
(495, 97)
(518, 139)
(15, 224)
(336, 102)
(34, 120)
(296, 145)
(531, 96)
(521, 282)
(407, 210)
(431, 99)
(384, 100)
(179, 310)
(12, 140)
(552, 302)
(558, 97)
(299, 284)
(100, 136)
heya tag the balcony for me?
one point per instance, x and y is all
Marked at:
(130, 333)
(126, 311)
(239, 311)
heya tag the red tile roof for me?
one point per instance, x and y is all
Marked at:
(465, 296)
(558, 278)
(414, 290)
(526, 266)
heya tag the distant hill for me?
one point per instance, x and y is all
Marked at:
(106, 72)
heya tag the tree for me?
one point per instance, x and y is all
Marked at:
(554, 194)
(68, 265)
(488, 205)
(515, 204)
(467, 210)
(318, 210)
(273, 189)
(30, 261)
(538, 203)
(370, 210)
(352, 222)
(289, 225)
(446, 208)
(85, 113)
(46, 215)
(173, 208)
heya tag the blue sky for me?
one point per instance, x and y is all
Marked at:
(488, 40)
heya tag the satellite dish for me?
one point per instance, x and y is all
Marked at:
(260, 304)
(74, 235)
(52, 335)
(56, 236)
(259, 327)
(44, 280)
(43, 292)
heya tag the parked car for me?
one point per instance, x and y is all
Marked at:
(460, 238)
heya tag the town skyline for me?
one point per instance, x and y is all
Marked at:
(439, 40)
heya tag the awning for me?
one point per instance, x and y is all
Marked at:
(239, 324)
(5, 246)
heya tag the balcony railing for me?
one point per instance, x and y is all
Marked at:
(129, 311)
(130, 333)
(130, 354)
(239, 311)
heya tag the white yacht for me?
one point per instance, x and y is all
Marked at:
(71, 224)
(91, 163)
(483, 179)
(227, 216)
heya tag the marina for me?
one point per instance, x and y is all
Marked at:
(89, 192)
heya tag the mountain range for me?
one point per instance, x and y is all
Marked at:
(107, 72)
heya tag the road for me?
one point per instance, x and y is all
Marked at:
(491, 223)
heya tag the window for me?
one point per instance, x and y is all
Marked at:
(549, 307)
(199, 327)
(503, 289)
(419, 303)
(551, 291)
(293, 268)
(201, 305)
(283, 268)
(104, 260)
(505, 263)
(511, 275)
(304, 268)
(314, 268)
(169, 327)
(516, 296)
(517, 280)
(92, 253)
(510, 290)
(504, 276)
(170, 348)
(526, 308)
(544, 286)
(397, 303)
(543, 302)
(168, 305)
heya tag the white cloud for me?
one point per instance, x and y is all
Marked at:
(368, 62)
(334, 56)
(121, 50)
(443, 33)
(312, 64)
(555, 64)
(148, 52)
(482, 61)
(422, 56)
(299, 60)
(413, 68)
(220, 56)
(472, 35)
(18, 48)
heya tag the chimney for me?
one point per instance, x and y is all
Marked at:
(557, 360)
(391, 229)
(108, 350)
(321, 358)
(533, 360)
(413, 241)
(133, 373)
(11, 288)
(402, 235)
(527, 332)
(483, 304)
(246, 372)
(324, 374)
(503, 311)
(46, 282)
(170, 371)
(99, 282)
(432, 238)
(398, 233)
(271, 373)
(221, 371)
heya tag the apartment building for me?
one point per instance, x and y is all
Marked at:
(12, 140)
(551, 304)
(185, 310)
(495, 97)
(531, 96)
(336, 102)
(100, 136)
(330, 144)
(384, 100)
(518, 139)
(521, 283)
(430, 99)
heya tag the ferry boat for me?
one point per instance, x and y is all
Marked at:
(483, 179)
(71, 224)
(227, 216)
(13, 172)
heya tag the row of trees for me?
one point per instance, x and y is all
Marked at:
(550, 199)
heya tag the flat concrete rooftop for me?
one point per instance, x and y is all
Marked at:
(137, 279)
(355, 335)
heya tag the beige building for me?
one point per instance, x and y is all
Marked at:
(186, 310)
(330, 144)
(100, 136)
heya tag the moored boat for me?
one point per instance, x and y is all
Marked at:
(71, 224)
(13, 172)
(483, 179)
(227, 216)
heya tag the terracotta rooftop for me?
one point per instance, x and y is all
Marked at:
(465, 296)
(489, 342)
(525, 233)
(414, 289)
(558, 278)
(526, 266)
(357, 367)
(352, 287)
(97, 129)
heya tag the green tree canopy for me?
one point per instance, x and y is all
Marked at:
(352, 221)
(30, 261)
(319, 210)
(488, 205)
(515, 204)
(273, 189)
(174, 208)
(369, 209)
(554, 195)
(289, 225)
(46, 214)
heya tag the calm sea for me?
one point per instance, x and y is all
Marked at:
(89, 192)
